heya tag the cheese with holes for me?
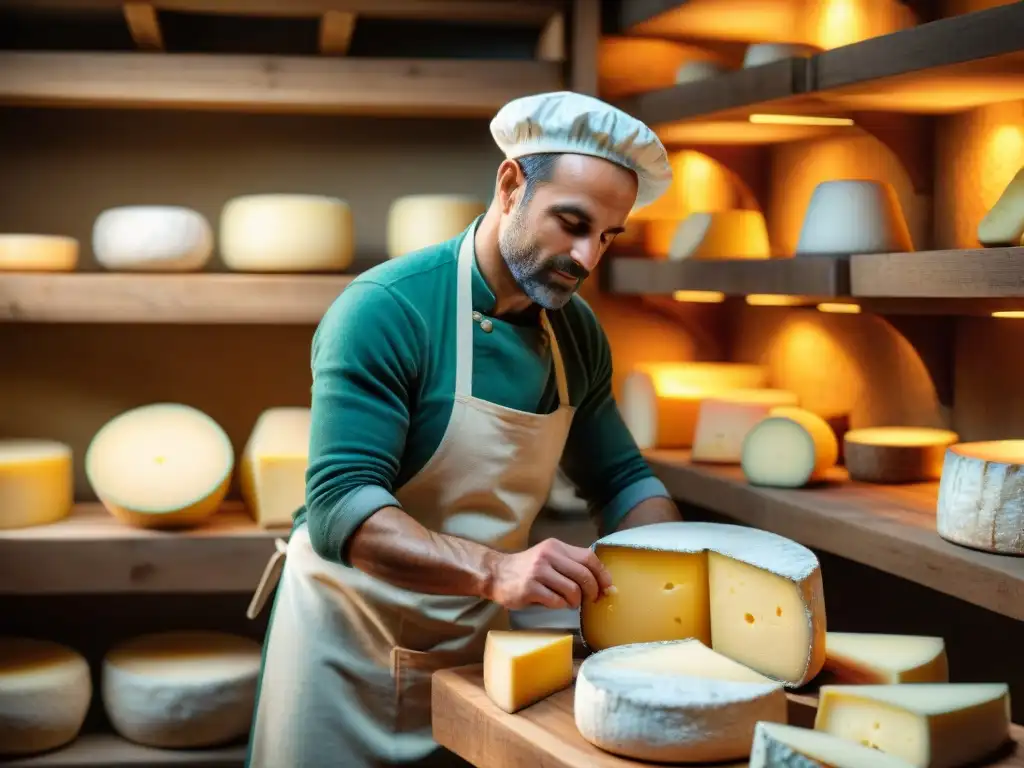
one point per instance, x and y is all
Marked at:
(152, 238)
(165, 465)
(272, 472)
(521, 667)
(419, 221)
(896, 454)
(45, 691)
(38, 253)
(930, 725)
(180, 690)
(721, 235)
(673, 702)
(724, 420)
(36, 482)
(749, 594)
(287, 233)
(789, 449)
(865, 658)
(1003, 225)
(777, 745)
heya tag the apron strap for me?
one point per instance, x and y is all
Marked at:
(269, 579)
(556, 358)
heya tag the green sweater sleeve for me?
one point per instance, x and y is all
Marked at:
(365, 357)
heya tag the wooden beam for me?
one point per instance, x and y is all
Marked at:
(144, 26)
(586, 36)
(336, 28)
(551, 45)
(968, 273)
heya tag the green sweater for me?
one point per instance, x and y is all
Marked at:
(383, 360)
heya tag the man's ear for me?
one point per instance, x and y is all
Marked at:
(511, 183)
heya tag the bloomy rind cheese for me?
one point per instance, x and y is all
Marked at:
(272, 471)
(152, 238)
(896, 454)
(777, 745)
(869, 658)
(38, 253)
(36, 482)
(1003, 225)
(724, 420)
(767, 460)
(523, 667)
(419, 221)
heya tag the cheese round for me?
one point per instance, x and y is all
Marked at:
(287, 233)
(721, 235)
(789, 449)
(724, 420)
(36, 482)
(896, 454)
(180, 690)
(152, 238)
(164, 465)
(38, 253)
(45, 691)
(418, 221)
(676, 701)
(785, 746)
(847, 216)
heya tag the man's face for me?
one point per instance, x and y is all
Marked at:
(556, 239)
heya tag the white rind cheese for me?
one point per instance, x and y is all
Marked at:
(272, 472)
(896, 454)
(45, 691)
(419, 221)
(672, 702)
(789, 449)
(36, 482)
(847, 216)
(152, 238)
(38, 253)
(866, 658)
(721, 235)
(785, 746)
(1003, 225)
(180, 690)
(723, 422)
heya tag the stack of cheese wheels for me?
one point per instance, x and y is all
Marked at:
(152, 238)
(1003, 225)
(272, 472)
(848, 216)
(721, 235)
(777, 745)
(38, 253)
(896, 454)
(418, 221)
(36, 482)
(287, 233)
(724, 420)
(45, 691)
(165, 465)
(180, 690)
(865, 658)
(789, 449)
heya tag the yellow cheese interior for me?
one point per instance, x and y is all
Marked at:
(691, 659)
(36, 482)
(272, 473)
(732, 234)
(38, 253)
(521, 667)
(876, 658)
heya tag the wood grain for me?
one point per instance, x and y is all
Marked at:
(108, 751)
(955, 274)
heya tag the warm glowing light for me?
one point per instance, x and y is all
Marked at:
(901, 436)
(839, 308)
(1018, 313)
(700, 297)
(758, 397)
(799, 120)
(686, 380)
(774, 300)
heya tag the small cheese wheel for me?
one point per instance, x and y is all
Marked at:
(789, 449)
(785, 746)
(1004, 223)
(38, 253)
(721, 235)
(724, 420)
(152, 238)
(419, 221)
(287, 233)
(45, 691)
(847, 216)
(896, 454)
(523, 667)
(272, 472)
(181, 690)
(164, 465)
(36, 482)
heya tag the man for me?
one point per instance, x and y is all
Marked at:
(448, 385)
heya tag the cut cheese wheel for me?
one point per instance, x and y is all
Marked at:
(721, 235)
(724, 420)
(287, 233)
(419, 221)
(1004, 223)
(521, 668)
(930, 725)
(751, 595)
(789, 449)
(45, 691)
(861, 658)
(785, 746)
(672, 702)
(36, 482)
(38, 253)
(152, 238)
(272, 472)
(981, 496)
(896, 454)
(164, 465)
(661, 401)
(180, 690)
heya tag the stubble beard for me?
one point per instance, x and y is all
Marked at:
(523, 260)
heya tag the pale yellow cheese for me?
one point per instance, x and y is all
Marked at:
(896, 454)
(523, 667)
(272, 472)
(789, 449)
(1004, 223)
(865, 658)
(785, 746)
(37, 253)
(724, 420)
(721, 235)
(36, 482)
(419, 221)
(165, 465)
(930, 725)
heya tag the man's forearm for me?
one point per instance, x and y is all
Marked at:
(657, 509)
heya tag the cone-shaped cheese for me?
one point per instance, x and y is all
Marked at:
(1004, 223)
(786, 746)
(848, 216)
(272, 471)
(521, 668)
(896, 454)
(36, 482)
(865, 658)
(789, 449)
(724, 420)
(419, 221)
(38, 253)
(721, 235)
(152, 238)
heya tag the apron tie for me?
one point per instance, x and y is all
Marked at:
(271, 575)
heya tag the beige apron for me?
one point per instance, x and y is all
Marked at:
(348, 658)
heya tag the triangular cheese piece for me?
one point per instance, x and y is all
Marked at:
(786, 746)
(856, 657)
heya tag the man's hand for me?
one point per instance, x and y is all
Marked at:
(553, 574)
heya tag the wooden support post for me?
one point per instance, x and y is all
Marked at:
(144, 26)
(586, 34)
(336, 28)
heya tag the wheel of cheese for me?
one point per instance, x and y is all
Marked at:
(36, 482)
(38, 253)
(896, 454)
(45, 691)
(165, 465)
(180, 690)
(1003, 225)
(724, 420)
(152, 238)
(789, 449)
(672, 702)
(287, 233)
(853, 216)
(785, 746)
(418, 221)
(981, 496)
(721, 235)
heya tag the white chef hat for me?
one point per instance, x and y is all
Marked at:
(564, 121)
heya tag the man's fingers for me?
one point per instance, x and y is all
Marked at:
(586, 557)
(540, 594)
(580, 574)
(563, 586)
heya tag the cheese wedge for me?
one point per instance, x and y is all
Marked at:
(1004, 223)
(886, 659)
(786, 746)
(36, 482)
(521, 668)
(789, 449)
(272, 472)
(721, 235)
(724, 421)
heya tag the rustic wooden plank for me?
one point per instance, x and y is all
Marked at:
(972, 273)
(586, 36)
(108, 751)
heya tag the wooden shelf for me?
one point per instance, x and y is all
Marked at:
(891, 528)
(974, 273)
(108, 751)
(92, 552)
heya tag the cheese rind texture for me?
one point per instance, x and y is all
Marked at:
(1003, 225)
(419, 221)
(36, 482)
(777, 745)
(272, 471)
(723, 422)
(864, 658)
(672, 702)
(732, 234)
(180, 690)
(789, 448)
(152, 238)
(847, 216)
(38, 253)
(751, 595)
(896, 454)
(523, 667)
(165, 465)
(45, 691)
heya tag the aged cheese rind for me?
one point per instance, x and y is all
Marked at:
(733, 234)
(419, 221)
(36, 482)
(866, 658)
(38, 253)
(523, 667)
(1003, 225)
(751, 595)
(45, 691)
(152, 238)
(777, 745)
(723, 422)
(272, 471)
(789, 449)
(896, 454)
(180, 690)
